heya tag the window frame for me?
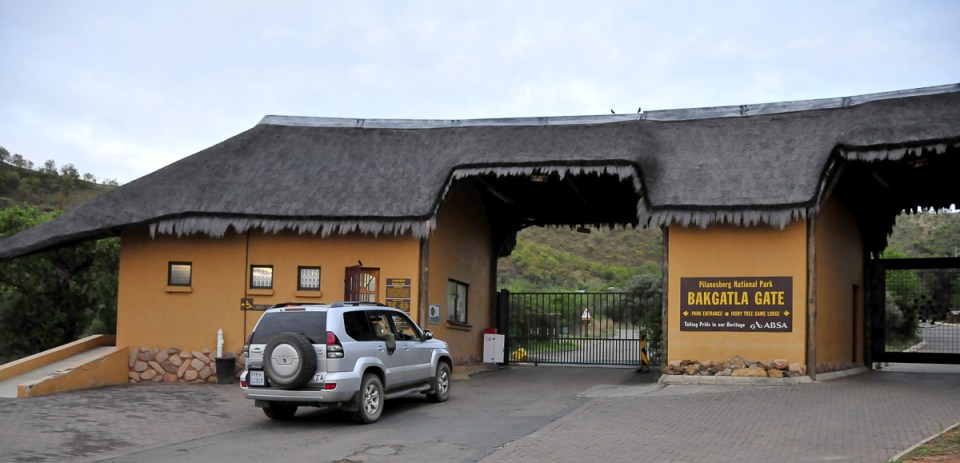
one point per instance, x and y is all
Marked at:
(301, 268)
(452, 308)
(170, 281)
(256, 266)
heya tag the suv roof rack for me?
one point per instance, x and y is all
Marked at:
(356, 304)
(280, 305)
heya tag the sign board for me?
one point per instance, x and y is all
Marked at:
(434, 314)
(398, 293)
(736, 304)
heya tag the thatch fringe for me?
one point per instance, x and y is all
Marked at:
(779, 218)
(894, 153)
(622, 172)
(217, 227)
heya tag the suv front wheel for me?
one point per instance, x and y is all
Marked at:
(441, 384)
(371, 400)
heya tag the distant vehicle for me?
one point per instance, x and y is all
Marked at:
(347, 355)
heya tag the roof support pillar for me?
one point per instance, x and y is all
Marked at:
(664, 299)
(812, 297)
(423, 293)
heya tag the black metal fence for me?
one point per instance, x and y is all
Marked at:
(916, 306)
(581, 328)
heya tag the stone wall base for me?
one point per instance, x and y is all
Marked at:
(737, 366)
(173, 365)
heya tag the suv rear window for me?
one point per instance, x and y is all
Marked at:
(313, 325)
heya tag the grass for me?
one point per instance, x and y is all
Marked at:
(943, 448)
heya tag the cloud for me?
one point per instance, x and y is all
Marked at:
(128, 87)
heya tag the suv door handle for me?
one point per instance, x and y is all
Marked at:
(381, 348)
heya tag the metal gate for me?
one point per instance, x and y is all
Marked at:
(580, 328)
(915, 305)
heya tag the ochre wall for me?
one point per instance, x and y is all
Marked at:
(150, 314)
(839, 266)
(461, 249)
(727, 251)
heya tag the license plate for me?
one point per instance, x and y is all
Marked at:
(256, 378)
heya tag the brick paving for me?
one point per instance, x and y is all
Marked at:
(869, 417)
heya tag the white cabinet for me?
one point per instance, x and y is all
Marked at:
(493, 348)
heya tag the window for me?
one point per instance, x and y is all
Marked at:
(180, 274)
(406, 330)
(456, 301)
(312, 324)
(308, 278)
(357, 326)
(261, 277)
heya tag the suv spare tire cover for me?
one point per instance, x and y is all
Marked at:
(289, 360)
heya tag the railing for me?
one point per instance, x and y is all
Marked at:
(582, 328)
(917, 310)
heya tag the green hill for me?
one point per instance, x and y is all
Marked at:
(561, 259)
(48, 189)
(925, 234)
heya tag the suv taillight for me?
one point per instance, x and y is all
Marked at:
(334, 349)
(246, 345)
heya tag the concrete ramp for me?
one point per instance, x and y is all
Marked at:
(86, 363)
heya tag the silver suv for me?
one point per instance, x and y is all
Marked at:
(351, 356)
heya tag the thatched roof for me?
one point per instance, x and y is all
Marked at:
(753, 164)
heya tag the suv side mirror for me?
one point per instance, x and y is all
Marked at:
(391, 342)
(427, 335)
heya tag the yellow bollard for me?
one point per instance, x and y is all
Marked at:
(644, 362)
(519, 355)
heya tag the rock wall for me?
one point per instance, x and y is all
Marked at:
(736, 366)
(174, 365)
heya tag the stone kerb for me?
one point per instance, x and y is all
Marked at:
(737, 370)
(175, 365)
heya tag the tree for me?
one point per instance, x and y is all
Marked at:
(647, 291)
(4, 155)
(69, 175)
(18, 160)
(49, 167)
(69, 170)
(54, 297)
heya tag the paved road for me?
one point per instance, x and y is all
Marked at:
(940, 338)
(519, 414)
(621, 348)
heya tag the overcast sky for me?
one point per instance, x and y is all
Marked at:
(122, 88)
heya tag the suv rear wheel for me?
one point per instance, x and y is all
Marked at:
(371, 400)
(289, 360)
(280, 411)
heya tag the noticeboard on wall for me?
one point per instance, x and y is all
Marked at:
(736, 304)
(398, 293)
